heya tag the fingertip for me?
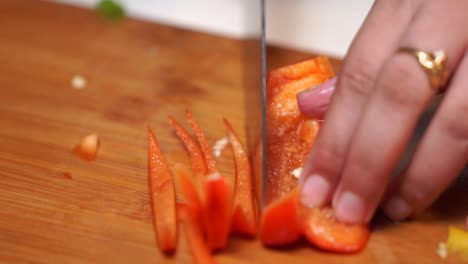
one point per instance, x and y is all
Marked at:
(314, 191)
(349, 207)
(397, 208)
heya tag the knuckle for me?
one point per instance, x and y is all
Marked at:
(328, 158)
(418, 193)
(399, 86)
(363, 167)
(357, 78)
(456, 125)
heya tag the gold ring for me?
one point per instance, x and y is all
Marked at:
(434, 63)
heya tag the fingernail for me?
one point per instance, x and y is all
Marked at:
(323, 88)
(314, 191)
(314, 101)
(350, 208)
(397, 208)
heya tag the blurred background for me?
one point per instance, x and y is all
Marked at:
(318, 26)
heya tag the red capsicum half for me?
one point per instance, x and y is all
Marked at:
(290, 136)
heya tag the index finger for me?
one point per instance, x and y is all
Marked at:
(380, 34)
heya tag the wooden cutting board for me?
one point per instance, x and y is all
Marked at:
(137, 73)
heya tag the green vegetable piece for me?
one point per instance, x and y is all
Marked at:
(110, 10)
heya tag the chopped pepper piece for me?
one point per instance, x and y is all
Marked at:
(218, 196)
(244, 214)
(194, 236)
(190, 195)
(197, 159)
(279, 224)
(323, 230)
(217, 211)
(162, 193)
(210, 160)
(457, 242)
(87, 149)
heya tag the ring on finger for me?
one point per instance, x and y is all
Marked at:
(433, 63)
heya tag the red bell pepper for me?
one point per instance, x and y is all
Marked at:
(279, 224)
(189, 195)
(199, 168)
(87, 148)
(244, 214)
(322, 229)
(217, 213)
(218, 196)
(290, 136)
(162, 193)
(209, 158)
(194, 236)
(301, 71)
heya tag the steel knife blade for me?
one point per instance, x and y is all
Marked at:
(255, 85)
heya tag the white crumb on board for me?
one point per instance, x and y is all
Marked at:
(78, 82)
(219, 145)
(442, 250)
(297, 172)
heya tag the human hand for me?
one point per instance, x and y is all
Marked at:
(379, 97)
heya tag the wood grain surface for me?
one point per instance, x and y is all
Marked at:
(137, 73)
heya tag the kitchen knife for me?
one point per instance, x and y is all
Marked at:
(255, 85)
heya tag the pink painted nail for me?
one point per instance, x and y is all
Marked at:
(314, 101)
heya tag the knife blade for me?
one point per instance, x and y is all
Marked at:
(255, 85)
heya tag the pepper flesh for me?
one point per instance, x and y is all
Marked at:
(323, 230)
(290, 136)
(244, 214)
(280, 225)
(87, 149)
(189, 195)
(217, 204)
(457, 242)
(194, 236)
(217, 211)
(197, 159)
(209, 158)
(162, 193)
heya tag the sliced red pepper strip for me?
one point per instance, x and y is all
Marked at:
(190, 195)
(197, 159)
(244, 215)
(162, 193)
(217, 213)
(209, 158)
(323, 230)
(279, 224)
(200, 251)
(218, 196)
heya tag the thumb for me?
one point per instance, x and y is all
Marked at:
(314, 101)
